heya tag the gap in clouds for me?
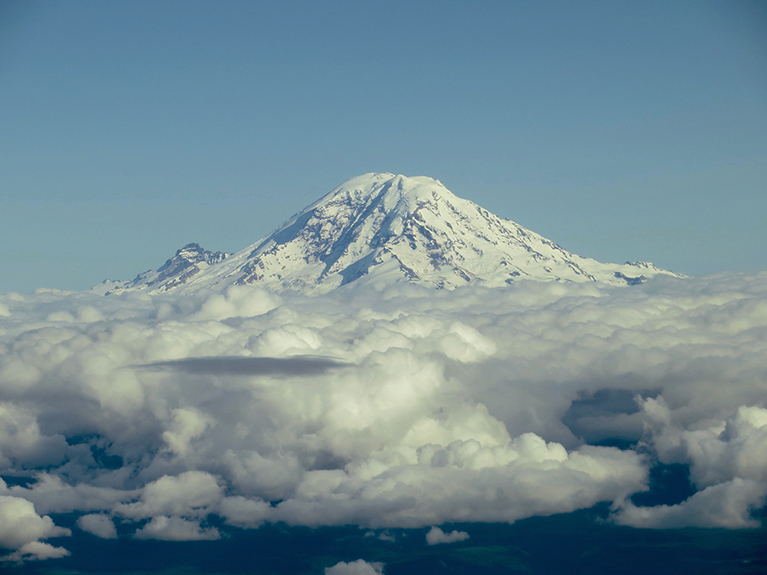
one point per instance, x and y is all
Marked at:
(600, 417)
(669, 485)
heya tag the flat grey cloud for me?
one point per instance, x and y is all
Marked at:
(236, 365)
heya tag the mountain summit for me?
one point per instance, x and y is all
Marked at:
(385, 227)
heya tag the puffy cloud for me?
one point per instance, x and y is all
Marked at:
(50, 494)
(727, 462)
(465, 482)
(35, 551)
(21, 528)
(176, 529)
(358, 567)
(385, 536)
(237, 301)
(21, 442)
(242, 512)
(717, 450)
(727, 504)
(187, 424)
(98, 524)
(188, 494)
(390, 407)
(435, 536)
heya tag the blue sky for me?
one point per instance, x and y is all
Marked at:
(621, 131)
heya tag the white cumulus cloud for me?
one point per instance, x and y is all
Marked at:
(358, 567)
(176, 529)
(188, 494)
(21, 529)
(98, 524)
(435, 536)
(727, 504)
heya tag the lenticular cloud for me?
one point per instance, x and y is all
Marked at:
(396, 408)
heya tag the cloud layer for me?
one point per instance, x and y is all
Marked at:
(398, 407)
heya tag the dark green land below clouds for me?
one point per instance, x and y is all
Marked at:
(581, 542)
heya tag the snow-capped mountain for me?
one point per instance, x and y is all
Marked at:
(384, 227)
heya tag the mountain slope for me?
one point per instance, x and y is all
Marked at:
(385, 227)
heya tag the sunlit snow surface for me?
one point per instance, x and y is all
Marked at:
(178, 417)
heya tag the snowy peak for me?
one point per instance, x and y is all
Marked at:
(394, 193)
(367, 205)
(382, 227)
(362, 224)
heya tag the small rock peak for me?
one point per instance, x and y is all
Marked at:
(189, 249)
(192, 254)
